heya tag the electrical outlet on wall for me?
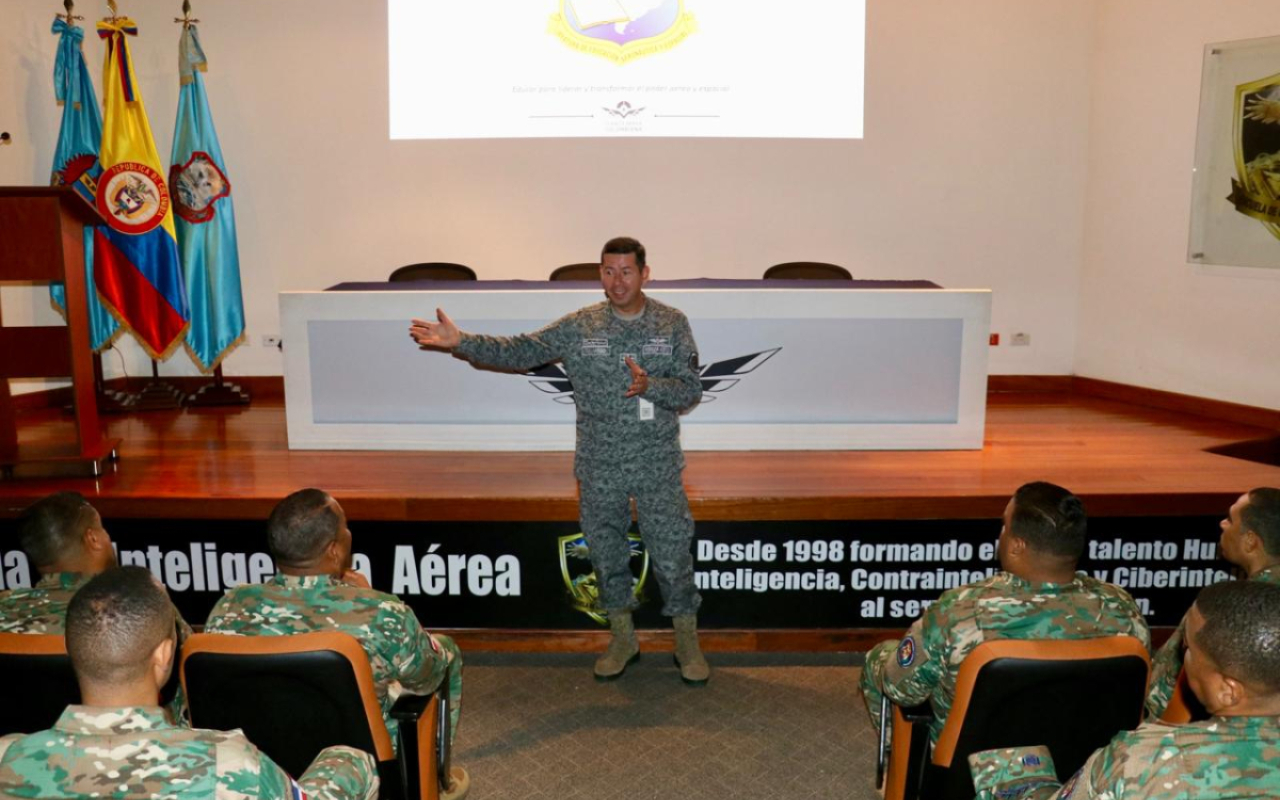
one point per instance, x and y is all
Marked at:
(1020, 340)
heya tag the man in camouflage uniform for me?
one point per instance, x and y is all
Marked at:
(118, 744)
(1039, 595)
(1233, 666)
(65, 541)
(315, 589)
(634, 367)
(1251, 541)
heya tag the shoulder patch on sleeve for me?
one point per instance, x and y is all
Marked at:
(907, 652)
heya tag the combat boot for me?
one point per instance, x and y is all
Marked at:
(623, 647)
(459, 784)
(694, 669)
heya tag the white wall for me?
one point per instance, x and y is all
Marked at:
(1147, 317)
(972, 172)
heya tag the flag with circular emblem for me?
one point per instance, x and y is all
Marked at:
(138, 275)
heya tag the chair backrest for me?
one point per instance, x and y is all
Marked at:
(586, 271)
(292, 695)
(433, 271)
(36, 682)
(1070, 695)
(808, 270)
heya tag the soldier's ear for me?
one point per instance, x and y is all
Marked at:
(162, 660)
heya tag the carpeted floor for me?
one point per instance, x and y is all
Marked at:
(767, 726)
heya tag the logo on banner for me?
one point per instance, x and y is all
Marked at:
(621, 30)
(197, 184)
(132, 197)
(580, 579)
(1255, 191)
(719, 376)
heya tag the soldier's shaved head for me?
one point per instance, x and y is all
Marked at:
(1241, 632)
(51, 528)
(300, 527)
(115, 622)
(1050, 519)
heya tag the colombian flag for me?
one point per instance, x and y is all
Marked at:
(136, 255)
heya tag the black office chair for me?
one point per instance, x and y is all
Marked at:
(589, 271)
(1071, 695)
(36, 682)
(808, 270)
(433, 271)
(295, 695)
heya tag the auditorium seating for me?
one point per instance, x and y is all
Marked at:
(433, 271)
(586, 271)
(808, 270)
(295, 695)
(36, 682)
(1072, 696)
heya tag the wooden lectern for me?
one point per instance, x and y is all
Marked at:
(42, 241)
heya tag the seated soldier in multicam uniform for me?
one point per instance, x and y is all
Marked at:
(120, 636)
(315, 589)
(1251, 541)
(1233, 667)
(1039, 595)
(65, 541)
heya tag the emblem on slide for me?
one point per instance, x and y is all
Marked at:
(622, 30)
(197, 184)
(1255, 191)
(132, 197)
(719, 376)
(580, 579)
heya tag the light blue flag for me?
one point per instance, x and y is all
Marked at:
(205, 220)
(75, 163)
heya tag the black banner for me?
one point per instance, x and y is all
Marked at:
(817, 574)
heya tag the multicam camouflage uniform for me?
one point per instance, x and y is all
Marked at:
(403, 656)
(1219, 759)
(43, 609)
(133, 752)
(626, 447)
(925, 664)
(1166, 665)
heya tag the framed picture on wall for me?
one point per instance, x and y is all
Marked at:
(1235, 195)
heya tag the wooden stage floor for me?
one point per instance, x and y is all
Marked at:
(235, 464)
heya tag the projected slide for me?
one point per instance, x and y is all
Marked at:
(462, 69)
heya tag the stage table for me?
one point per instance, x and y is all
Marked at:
(785, 365)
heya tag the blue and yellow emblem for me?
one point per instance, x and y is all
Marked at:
(580, 578)
(622, 30)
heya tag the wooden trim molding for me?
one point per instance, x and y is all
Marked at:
(1172, 401)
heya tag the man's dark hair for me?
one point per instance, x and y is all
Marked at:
(52, 526)
(1241, 632)
(623, 245)
(1050, 519)
(114, 622)
(1262, 516)
(300, 527)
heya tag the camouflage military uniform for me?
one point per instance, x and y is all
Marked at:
(1223, 758)
(626, 447)
(134, 752)
(1166, 665)
(401, 653)
(925, 664)
(43, 609)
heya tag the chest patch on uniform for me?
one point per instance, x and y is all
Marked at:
(907, 652)
(657, 346)
(595, 347)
